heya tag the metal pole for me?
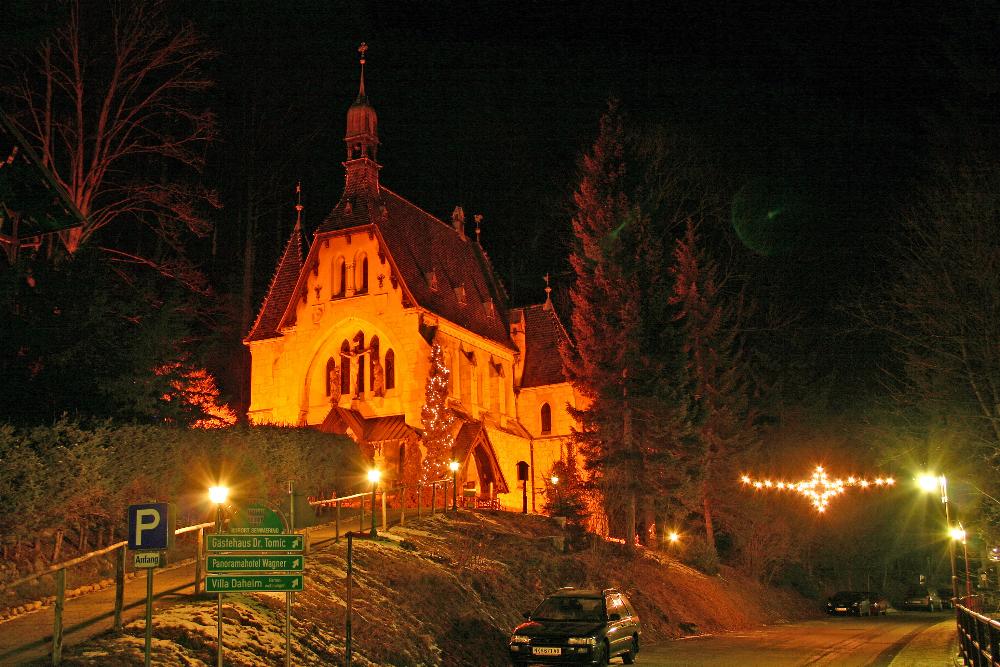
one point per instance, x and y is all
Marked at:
(385, 526)
(454, 490)
(218, 530)
(968, 583)
(149, 612)
(291, 508)
(402, 505)
(951, 541)
(420, 494)
(57, 625)
(336, 525)
(288, 630)
(198, 555)
(350, 600)
(433, 497)
(373, 533)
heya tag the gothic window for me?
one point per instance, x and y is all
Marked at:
(390, 369)
(345, 368)
(546, 414)
(373, 359)
(362, 276)
(339, 277)
(330, 366)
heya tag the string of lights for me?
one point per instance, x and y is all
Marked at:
(820, 488)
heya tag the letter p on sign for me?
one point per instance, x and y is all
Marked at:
(150, 526)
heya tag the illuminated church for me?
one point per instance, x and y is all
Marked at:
(343, 339)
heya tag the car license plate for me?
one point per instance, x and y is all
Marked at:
(841, 608)
(545, 650)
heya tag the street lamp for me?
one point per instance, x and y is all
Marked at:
(453, 466)
(932, 484)
(958, 534)
(374, 476)
(218, 495)
(674, 537)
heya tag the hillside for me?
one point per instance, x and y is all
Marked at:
(442, 591)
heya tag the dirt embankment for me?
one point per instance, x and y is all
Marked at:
(443, 591)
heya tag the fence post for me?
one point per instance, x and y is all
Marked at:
(119, 587)
(420, 494)
(361, 520)
(336, 522)
(385, 523)
(198, 551)
(57, 626)
(433, 497)
(402, 505)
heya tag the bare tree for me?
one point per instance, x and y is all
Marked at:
(108, 102)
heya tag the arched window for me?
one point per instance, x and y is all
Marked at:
(359, 346)
(372, 360)
(362, 276)
(345, 368)
(390, 369)
(546, 418)
(339, 277)
(331, 365)
(522, 471)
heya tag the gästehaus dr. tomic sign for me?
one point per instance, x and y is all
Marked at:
(251, 543)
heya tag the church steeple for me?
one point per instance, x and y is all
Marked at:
(362, 137)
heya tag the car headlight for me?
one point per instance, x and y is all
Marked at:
(589, 641)
(520, 639)
(855, 604)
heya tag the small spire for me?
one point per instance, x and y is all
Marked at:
(548, 292)
(363, 50)
(298, 204)
(478, 217)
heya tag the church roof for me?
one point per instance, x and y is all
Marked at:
(543, 336)
(280, 292)
(445, 272)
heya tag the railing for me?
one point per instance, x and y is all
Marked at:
(59, 569)
(978, 637)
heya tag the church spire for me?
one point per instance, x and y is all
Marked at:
(298, 205)
(362, 136)
(548, 294)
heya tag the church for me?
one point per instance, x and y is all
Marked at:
(343, 340)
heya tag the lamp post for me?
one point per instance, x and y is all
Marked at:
(959, 534)
(374, 476)
(218, 495)
(933, 483)
(453, 466)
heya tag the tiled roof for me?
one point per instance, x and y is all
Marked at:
(543, 334)
(446, 273)
(280, 291)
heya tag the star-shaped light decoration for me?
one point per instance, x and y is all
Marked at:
(820, 488)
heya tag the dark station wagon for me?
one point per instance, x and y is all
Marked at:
(575, 626)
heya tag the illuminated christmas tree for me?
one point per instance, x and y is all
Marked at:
(437, 420)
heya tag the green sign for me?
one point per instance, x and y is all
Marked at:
(254, 563)
(253, 583)
(245, 543)
(257, 519)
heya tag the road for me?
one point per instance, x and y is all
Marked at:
(903, 639)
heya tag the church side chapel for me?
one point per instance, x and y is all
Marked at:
(386, 296)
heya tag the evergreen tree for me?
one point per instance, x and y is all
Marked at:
(437, 419)
(723, 422)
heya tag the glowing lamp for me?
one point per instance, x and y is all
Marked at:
(218, 494)
(958, 534)
(929, 483)
(673, 536)
(374, 475)
(554, 480)
(453, 466)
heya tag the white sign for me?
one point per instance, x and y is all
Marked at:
(147, 559)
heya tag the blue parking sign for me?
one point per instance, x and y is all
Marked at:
(150, 526)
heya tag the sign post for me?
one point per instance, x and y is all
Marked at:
(150, 532)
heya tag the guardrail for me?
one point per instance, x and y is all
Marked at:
(978, 637)
(59, 569)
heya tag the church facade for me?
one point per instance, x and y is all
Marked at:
(343, 339)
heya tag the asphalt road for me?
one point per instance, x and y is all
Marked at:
(910, 639)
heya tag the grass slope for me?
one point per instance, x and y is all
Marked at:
(443, 591)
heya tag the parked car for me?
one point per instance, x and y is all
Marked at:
(855, 603)
(947, 602)
(922, 597)
(880, 604)
(576, 626)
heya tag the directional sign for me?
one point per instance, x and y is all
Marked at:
(150, 526)
(254, 563)
(148, 559)
(253, 583)
(257, 519)
(246, 543)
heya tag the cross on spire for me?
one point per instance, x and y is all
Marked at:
(548, 291)
(363, 50)
(298, 204)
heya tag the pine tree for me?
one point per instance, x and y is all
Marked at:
(437, 419)
(723, 422)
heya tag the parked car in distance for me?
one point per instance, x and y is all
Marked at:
(575, 626)
(946, 600)
(855, 603)
(879, 604)
(922, 597)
